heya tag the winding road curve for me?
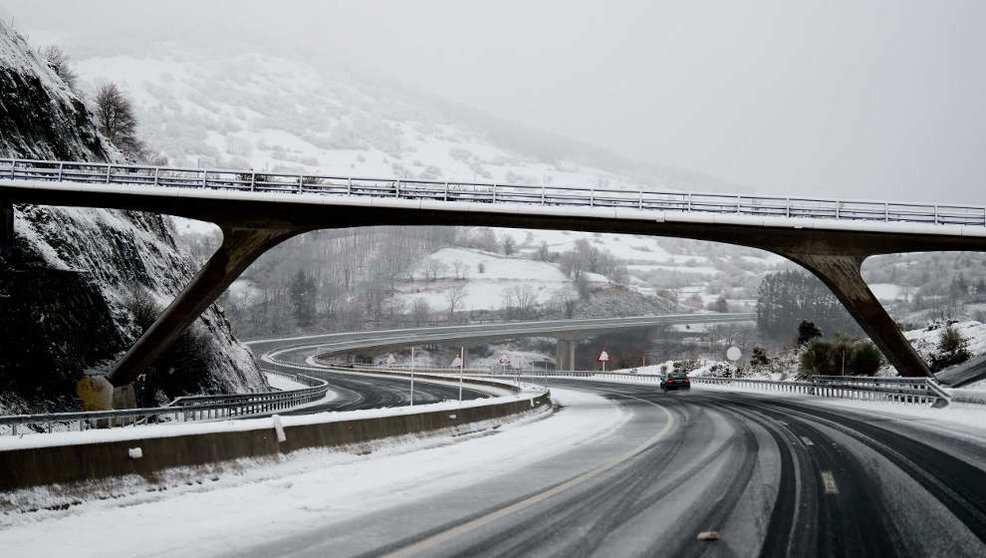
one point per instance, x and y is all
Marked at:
(773, 477)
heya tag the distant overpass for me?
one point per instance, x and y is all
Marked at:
(567, 332)
(256, 211)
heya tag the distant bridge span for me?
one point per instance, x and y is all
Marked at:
(256, 211)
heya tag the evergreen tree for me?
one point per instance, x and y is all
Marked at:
(302, 293)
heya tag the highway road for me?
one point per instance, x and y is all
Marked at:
(366, 392)
(771, 476)
(334, 343)
(363, 391)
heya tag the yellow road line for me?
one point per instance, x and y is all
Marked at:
(459, 530)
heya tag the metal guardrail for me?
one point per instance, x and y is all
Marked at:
(921, 391)
(492, 193)
(918, 391)
(182, 409)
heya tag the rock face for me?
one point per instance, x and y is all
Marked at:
(79, 284)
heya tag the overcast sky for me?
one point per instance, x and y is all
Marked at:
(872, 99)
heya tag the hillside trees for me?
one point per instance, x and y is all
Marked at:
(787, 298)
(302, 292)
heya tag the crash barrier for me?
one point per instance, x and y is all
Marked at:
(490, 193)
(917, 391)
(21, 468)
(182, 409)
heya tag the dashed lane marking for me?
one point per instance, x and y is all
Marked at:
(807, 441)
(829, 481)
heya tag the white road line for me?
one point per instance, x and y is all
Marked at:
(807, 441)
(829, 481)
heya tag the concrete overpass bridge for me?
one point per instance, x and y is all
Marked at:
(566, 332)
(831, 238)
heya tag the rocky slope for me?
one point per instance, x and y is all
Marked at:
(79, 282)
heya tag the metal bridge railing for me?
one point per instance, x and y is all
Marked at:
(182, 409)
(491, 193)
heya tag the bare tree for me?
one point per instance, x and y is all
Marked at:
(461, 269)
(433, 268)
(508, 245)
(454, 296)
(116, 120)
(58, 61)
(420, 311)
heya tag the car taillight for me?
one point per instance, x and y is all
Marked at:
(686, 380)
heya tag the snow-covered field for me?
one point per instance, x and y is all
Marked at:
(216, 511)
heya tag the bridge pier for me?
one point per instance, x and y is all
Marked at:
(565, 354)
(6, 228)
(240, 247)
(843, 275)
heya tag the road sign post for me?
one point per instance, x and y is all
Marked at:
(603, 358)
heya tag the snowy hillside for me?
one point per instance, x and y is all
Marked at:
(69, 286)
(257, 111)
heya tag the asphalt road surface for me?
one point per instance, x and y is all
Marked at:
(772, 477)
(362, 391)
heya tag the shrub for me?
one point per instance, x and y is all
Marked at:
(807, 331)
(838, 357)
(759, 358)
(865, 360)
(953, 349)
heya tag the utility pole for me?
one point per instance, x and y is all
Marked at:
(412, 376)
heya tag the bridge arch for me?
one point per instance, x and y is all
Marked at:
(253, 220)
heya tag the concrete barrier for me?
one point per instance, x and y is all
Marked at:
(21, 468)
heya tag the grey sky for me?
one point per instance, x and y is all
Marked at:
(879, 99)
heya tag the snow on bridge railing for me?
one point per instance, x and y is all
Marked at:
(492, 193)
(182, 409)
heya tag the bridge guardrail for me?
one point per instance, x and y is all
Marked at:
(182, 409)
(492, 193)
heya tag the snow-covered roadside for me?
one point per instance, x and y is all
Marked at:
(282, 383)
(246, 505)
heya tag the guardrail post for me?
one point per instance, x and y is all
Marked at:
(640, 201)
(13, 166)
(349, 186)
(157, 175)
(397, 189)
(205, 179)
(936, 213)
(61, 167)
(108, 169)
(301, 183)
(253, 182)
(494, 193)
